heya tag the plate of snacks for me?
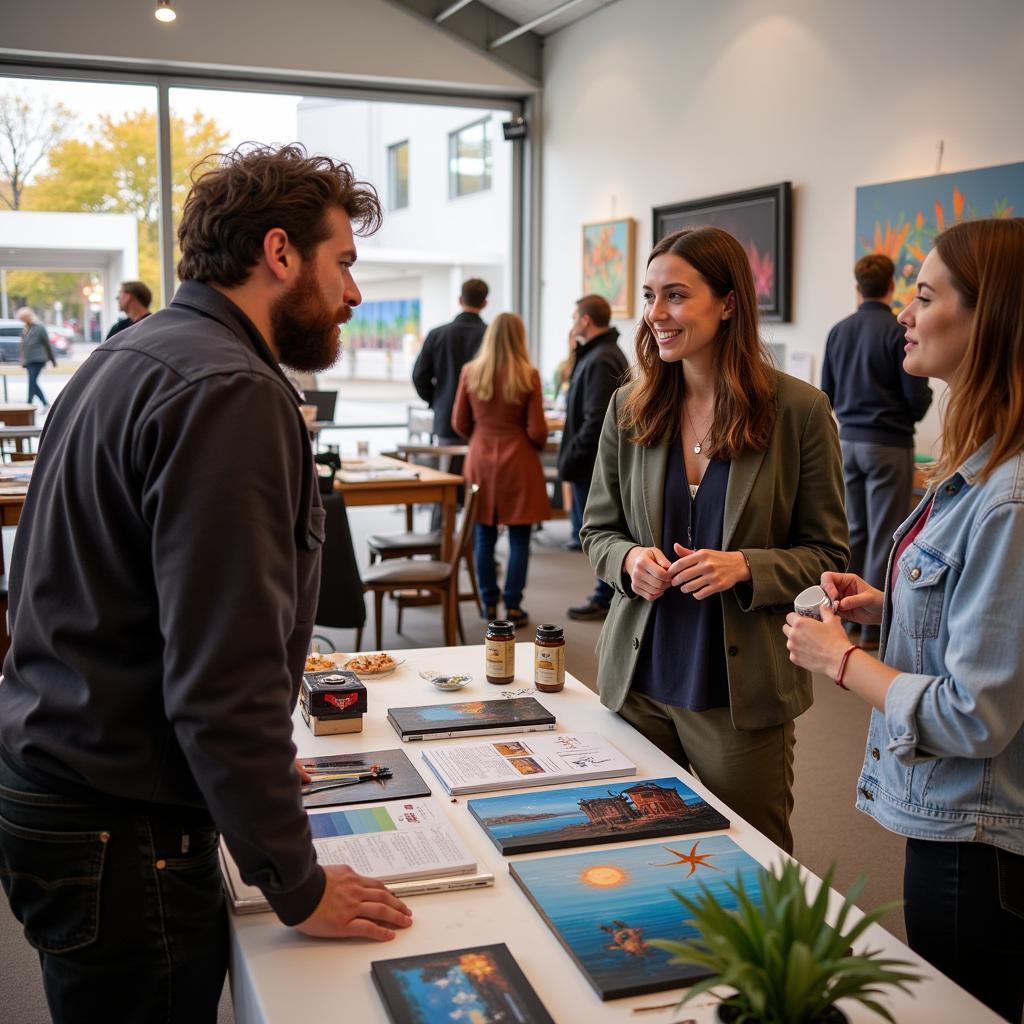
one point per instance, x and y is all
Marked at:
(370, 666)
(317, 662)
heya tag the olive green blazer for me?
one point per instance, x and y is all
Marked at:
(783, 510)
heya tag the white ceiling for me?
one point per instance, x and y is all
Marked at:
(522, 11)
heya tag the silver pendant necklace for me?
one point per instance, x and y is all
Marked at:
(698, 445)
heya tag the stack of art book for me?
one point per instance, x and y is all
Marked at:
(470, 718)
(401, 842)
(605, 906)
(478, 985)
(515, 764)
(589, 815)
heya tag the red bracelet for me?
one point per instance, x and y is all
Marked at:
(842, 666)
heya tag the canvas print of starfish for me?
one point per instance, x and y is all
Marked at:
(605, 906)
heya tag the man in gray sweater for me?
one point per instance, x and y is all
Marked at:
(162, 596)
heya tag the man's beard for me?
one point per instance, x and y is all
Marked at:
(305, 329)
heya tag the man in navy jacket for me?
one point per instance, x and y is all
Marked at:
(162, 597)
(877, 404)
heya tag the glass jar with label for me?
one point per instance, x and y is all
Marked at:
(549, 658)
(500, 652)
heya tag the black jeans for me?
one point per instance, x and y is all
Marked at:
(34, 390)
(965, 915)
(125, 907)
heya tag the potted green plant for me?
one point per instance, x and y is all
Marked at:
(785, 962)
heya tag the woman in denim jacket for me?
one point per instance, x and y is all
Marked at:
(945, 754)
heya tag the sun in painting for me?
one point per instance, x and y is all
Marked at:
(604, 876)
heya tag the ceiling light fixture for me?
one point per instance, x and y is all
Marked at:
(164, 11)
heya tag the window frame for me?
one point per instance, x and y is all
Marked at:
(453, 175)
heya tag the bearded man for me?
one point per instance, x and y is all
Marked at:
(162, 596)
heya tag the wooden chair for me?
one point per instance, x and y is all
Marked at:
(429, 574)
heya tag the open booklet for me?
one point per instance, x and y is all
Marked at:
(540, 760)
(407, 844)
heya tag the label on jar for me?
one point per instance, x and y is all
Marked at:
(500, 658)
(549, 666)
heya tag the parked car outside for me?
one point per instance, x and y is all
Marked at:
(62, 339)
(10, 340)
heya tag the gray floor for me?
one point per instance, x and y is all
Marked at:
(830, 744)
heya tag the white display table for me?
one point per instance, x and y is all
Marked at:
(281, 976)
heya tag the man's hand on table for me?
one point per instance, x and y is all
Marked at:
(351, 906)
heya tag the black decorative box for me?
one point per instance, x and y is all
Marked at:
(335, 692)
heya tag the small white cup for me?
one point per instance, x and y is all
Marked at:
(809, 602)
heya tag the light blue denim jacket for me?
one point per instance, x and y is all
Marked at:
(946, 759)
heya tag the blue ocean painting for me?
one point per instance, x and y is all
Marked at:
(606, 906)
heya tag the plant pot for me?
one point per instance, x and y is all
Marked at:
(730, 1014)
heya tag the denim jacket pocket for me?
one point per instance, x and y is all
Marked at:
(53, 881)
(922, 580)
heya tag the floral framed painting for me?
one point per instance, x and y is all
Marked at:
(901, 218)
(762, 220)
(609, 254)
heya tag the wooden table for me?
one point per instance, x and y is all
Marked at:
(279, 976)
(430, 486)
(17, 414)
(21, 436)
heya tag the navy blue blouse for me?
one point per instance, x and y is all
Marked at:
(682, 660)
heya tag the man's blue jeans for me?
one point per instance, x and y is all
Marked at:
(519, 559)
(124, 905)
(34, 390)
(602, 591)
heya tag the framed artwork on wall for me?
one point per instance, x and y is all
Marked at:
(762, 219)
(901, 218)
(609, 254)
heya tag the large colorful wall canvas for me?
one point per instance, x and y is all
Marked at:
(605, 906)
(761, 220)
(587, 815)
(902, 218)
(609, 252)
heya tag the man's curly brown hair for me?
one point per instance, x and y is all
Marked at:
(255, 188)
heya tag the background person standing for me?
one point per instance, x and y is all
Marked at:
(133, 299)
(877, 404)
(597, 371)
(35, 352)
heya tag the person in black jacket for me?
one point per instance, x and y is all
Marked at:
(877, 404)
(162, 596)
(597, 371)
(133, 299)
(435, 374)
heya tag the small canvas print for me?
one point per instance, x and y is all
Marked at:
(478, 985)
(605, 906)
(608, 258)
(901, 218)
(376, 776)
(587, 815)
(472, 714)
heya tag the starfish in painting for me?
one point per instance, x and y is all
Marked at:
(693, 858)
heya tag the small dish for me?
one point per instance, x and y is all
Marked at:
(445, 681)
(373, 675)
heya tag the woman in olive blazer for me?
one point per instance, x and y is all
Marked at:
(779, 515)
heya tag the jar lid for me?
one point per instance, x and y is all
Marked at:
(549, 631)
(501, 627)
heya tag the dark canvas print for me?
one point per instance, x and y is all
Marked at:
(589, 815)
(478, 985)
(760, 219)
(605, 906)
(395, 778)
(469, 715)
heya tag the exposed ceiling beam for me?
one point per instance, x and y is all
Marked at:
(451, 9)
(532, 24)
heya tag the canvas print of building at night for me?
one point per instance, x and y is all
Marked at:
(587, 815)
(481, 985)
(605, 906)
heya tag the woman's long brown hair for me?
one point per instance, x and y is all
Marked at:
(985, 259)
(745, 392)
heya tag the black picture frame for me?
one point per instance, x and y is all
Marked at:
(761, 218)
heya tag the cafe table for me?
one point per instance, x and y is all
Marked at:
(279, 976)
(428, 486)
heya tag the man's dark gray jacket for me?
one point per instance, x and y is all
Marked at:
(435, 375)
(164, 585)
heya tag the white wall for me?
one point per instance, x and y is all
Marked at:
(650, 102)
(360, 41)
